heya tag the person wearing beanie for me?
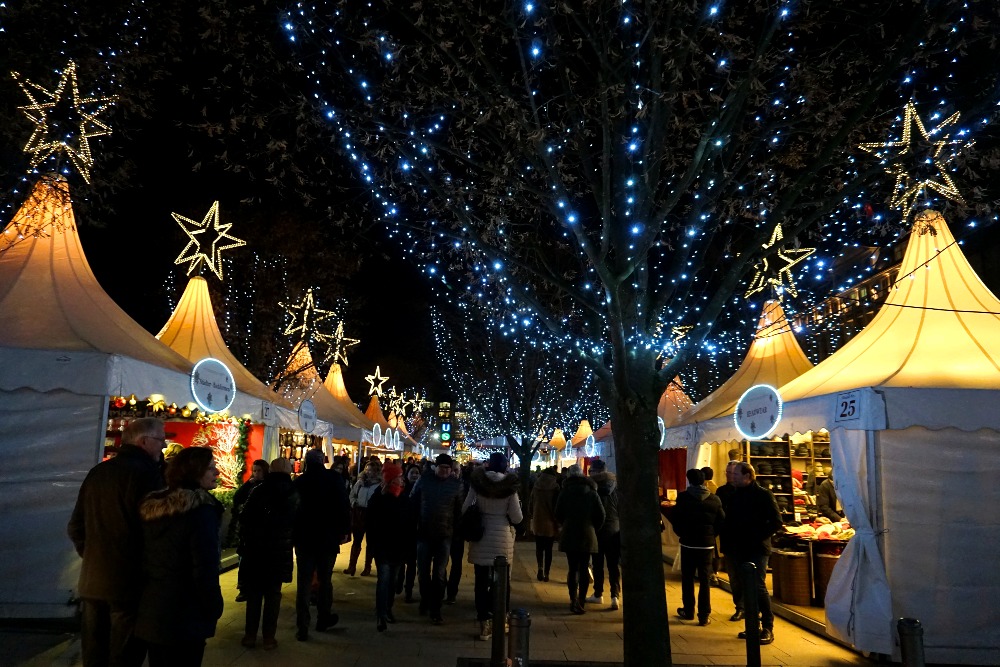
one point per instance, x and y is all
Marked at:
(437, 499)
(387, 519)
(266, 550)
(495, 493)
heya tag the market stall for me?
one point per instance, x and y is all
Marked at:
(192, 331)
(65, 348)
(334, 384)
(911, 408)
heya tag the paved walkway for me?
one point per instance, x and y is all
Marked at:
(556, 635)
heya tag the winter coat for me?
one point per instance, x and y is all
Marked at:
(607, 489)
(181, 599)
(105, 525)
(826, 501)
(543, 506)
(751, 518)
(439, 502)
(266, 534)
(697, 517)
(496, 495)
(324, 514)
(388, 516)
(580, 513)
(364, 488)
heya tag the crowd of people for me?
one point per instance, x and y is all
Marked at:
(148, 531)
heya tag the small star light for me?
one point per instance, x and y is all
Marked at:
(337, 344)
(925, 150)
(49, 136)
(311, 316)
(376, 379)
(192, 251)
(764, 276)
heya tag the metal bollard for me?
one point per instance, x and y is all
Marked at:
(911, 642)
(748, 574)
(520, 633)
(498, 653)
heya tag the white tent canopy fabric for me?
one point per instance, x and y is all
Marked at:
(911, 404)
(65, 347)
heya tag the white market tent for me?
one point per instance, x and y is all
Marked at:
(913, 411)
(333, 418)
(65, 348)
(192, 332)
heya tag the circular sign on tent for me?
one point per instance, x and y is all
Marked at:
(377, 434)
(589, 447)
(663, 432)
(307, 416)
(212, 385)
(758, 412)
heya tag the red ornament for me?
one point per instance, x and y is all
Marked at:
(119, 402)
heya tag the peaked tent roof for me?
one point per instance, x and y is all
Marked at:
(939, 327)
(193, 332)
(308, 385)
(774, 358)
(673, 405)
(50, 299)
(334, 384)
(583, 431)
(374, 413)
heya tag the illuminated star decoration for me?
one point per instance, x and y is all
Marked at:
(337, 345)
(398, 403)
(765, 276)
(311, 316)
(909, 186)
(49, 137)
(376, 378)
(680, 332)
(192, 251)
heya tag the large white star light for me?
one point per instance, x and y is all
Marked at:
(48, 110)
(375, 382)
(913, 151)
(192, 252)
(781, 279)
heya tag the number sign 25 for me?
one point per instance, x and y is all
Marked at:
(848, 407)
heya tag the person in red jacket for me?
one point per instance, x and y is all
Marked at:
(388, 514)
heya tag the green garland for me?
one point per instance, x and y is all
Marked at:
(241, 449)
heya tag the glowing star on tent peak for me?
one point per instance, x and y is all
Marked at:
(48, 137)
(926, 150)
(376, 381)
(192, 252)
(337, 344)
(782, 280)
(311, 316)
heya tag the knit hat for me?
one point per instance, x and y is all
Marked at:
(390, 471)
(281, 465)
(597, 465)
(444, 460)
(497, 462)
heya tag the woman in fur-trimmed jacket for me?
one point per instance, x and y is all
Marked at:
(495, 492)
(181, 600)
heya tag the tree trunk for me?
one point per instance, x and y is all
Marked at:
(644, 600)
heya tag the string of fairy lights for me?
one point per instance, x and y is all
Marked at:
(514, 389)
(390, 165)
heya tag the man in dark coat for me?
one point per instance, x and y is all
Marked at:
(609, 542)
(266, 549)
(826, 500)
(438, 497)
(322, 524)
(107, 532)
(696, 518)
(751, 518)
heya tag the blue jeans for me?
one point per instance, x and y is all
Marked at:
(385, 587)
(432, 568)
